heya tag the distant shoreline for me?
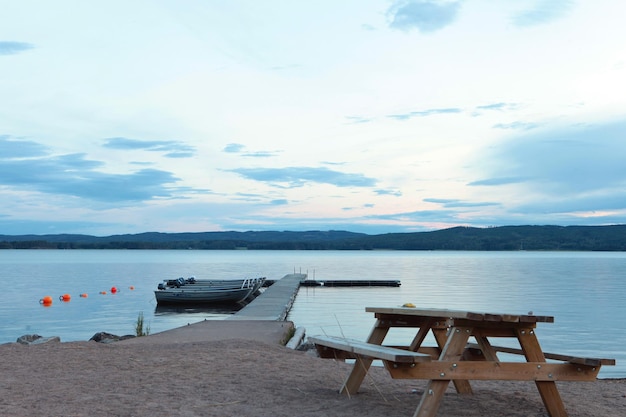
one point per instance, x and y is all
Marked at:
(505, 238)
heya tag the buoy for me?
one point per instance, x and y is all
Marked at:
(410, 305)
(46, 301)
(103, 292)
(83, 295)
(132, 287)
(65, 298)
(113, 290)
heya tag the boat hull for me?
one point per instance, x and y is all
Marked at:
(198, 296)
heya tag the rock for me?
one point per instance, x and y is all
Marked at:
(104, 337)
(35, 339)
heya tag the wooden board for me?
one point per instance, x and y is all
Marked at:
(370, 350)
(458, 314)
(552, 356)
(502, 371)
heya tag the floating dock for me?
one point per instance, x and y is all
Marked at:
(351, 283)
(275, 301)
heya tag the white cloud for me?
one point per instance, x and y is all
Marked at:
(424, 15)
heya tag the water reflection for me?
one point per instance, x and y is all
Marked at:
(215, 309)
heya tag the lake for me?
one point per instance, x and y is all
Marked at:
(584, 291)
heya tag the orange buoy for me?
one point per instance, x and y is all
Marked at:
(113, 290)
(65, 298)
(103, 292)
(83, 295)
(132, 287)
(46, 301)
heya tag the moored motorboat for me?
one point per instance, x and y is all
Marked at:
(192, 282)
(209, 291)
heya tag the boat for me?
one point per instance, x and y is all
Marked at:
(192, 282)
(209, 291)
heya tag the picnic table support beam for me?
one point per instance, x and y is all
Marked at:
(435, 390)
(362, 364)
(461, 386)
(547, 389)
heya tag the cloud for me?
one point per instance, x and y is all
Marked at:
(499, 181)
(440, 216)
(395, 193)
(544, 11)
(12, 48)
(279, 202)
(568, 168)
(299, 176)
(20, 148)
(423, 113)
(497, 106)
(516, 125)
(29, 166)
(358, 119)
(171, 148)
(234, 148)
(240, 149)
(455, 203)
(425, 16)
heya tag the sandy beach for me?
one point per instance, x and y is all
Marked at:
(242, 369)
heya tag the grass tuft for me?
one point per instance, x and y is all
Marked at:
(139, 326)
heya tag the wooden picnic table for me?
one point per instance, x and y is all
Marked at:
(455, 360)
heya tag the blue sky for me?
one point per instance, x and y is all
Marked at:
(369, 116)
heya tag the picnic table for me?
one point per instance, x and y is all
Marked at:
(454, 359)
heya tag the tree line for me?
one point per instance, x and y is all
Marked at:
(504, 238)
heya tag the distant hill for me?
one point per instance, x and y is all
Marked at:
(505, 238)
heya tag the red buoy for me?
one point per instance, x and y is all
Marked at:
(65, 298)
(83, 295)
(113, 290)
(46, 301)
(132, 287)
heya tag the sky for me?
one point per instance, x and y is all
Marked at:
(369, 116)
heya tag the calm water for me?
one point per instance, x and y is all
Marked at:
(584, 291)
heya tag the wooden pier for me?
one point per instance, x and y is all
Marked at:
(350, 283)
(275, 301)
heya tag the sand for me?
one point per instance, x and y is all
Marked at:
(198, 371)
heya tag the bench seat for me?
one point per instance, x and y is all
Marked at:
(475, 348)
(342, 348)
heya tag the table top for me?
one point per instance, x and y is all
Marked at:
(445, 314)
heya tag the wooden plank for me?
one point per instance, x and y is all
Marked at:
(547, 389)
(488, 351)
(421, 335)
(551, 356)
(362, 365)
(458, 314)
(452, 351)
(357, 347)
(499, 371)
(462, 387)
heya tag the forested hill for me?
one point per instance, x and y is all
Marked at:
(508, 238)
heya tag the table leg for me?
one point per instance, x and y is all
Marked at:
(461, 386)
(547, 389)
(452, 350)
(420, 336)
(362, 365)
(489, 353)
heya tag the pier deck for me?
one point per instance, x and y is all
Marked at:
(274, 303)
